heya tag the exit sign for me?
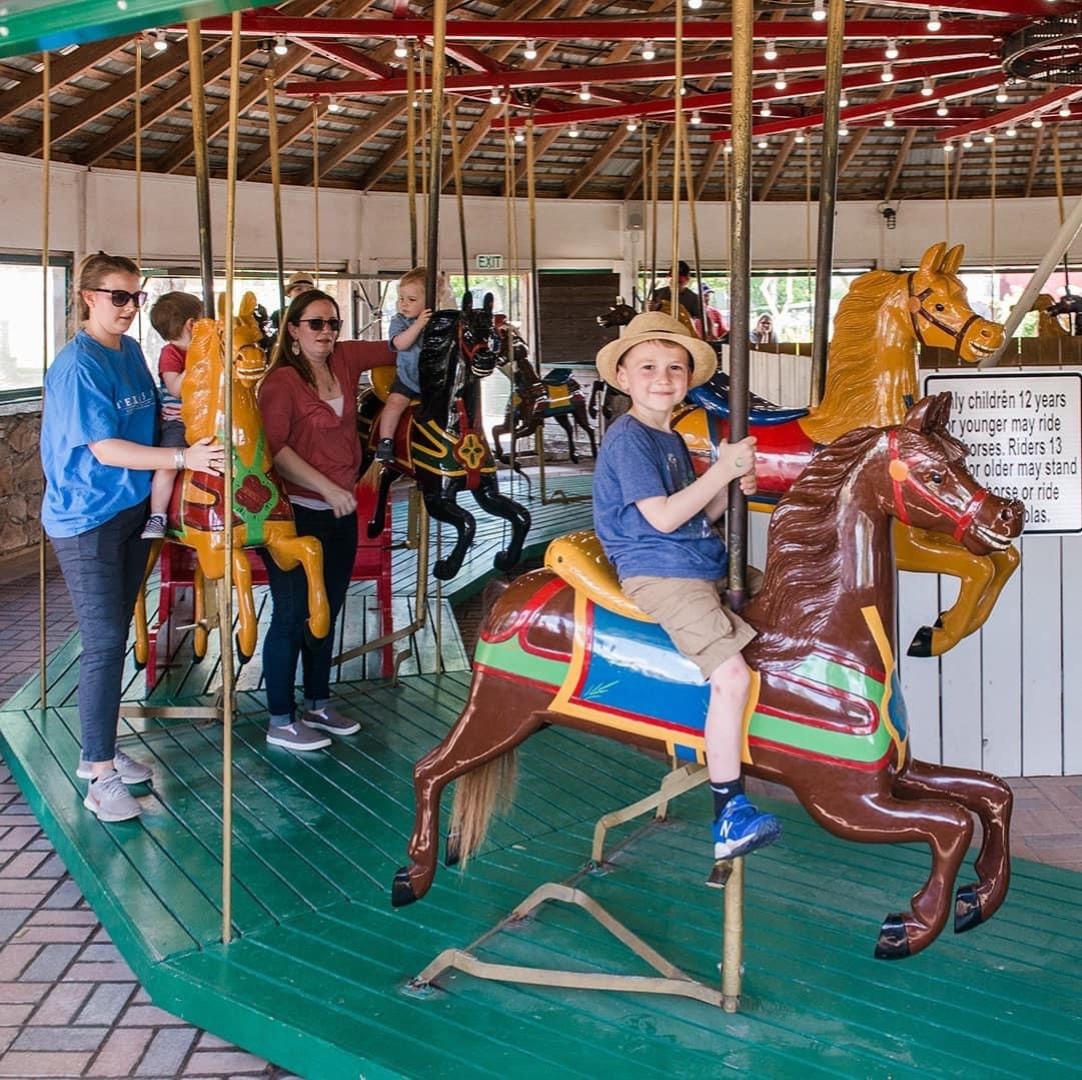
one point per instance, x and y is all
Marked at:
(489, 262)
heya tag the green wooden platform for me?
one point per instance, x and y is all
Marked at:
(317, 976)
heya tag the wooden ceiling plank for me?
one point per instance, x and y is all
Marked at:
(851, 148)
(62, 70)
(780, 159)
(582, 177)
(708, 168)
(1034, 161)
(366, 132)
(635, 181)
(899, 164)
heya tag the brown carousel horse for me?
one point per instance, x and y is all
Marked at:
(872, 378)
(825, 715)
(262, 516)
(440, 442)
(535, 399)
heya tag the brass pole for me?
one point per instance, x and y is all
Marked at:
(690, 189)
(435, 164)
(655, 161)
(456, 164)
(678, 142)
(740, 292)
(276, 181)
(202, 166)
(315, 178)
(828, 191)
(46, 349)
(411, 150)
(138, 121)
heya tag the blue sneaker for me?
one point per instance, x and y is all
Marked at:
(741, 829)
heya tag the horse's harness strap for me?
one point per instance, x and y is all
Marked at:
(904, 478)
(957, 336)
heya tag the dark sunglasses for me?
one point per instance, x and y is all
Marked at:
(334, 325)
(121, 297)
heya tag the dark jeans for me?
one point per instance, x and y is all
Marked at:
(286, 640)
(103, 569)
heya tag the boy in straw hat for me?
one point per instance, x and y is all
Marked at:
(655, 521)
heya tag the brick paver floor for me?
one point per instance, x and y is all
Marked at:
(70, 1006)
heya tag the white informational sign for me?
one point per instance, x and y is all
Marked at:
(489, 262)
(1024, 433)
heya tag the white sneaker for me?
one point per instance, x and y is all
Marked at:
(109, 799)
(296, 736)
(131, 771)
(154, 528)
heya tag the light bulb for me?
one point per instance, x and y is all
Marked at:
(843, 101)
(798, 137)
(416, 102)
(771, 50)
(695, 4)
(887, 74)
(948, 148)
(584, 92)
(632, 124)
(648, 50)
(891, 51)
(530, 52)
(573, 131)
(941, 109)
(779, 81)
(728, 148)
(1011, 131)
(520, 136)
(926, 87)
(495, 97)
(819, 10)
(1065, 109)
(161, 42)
(888, 120)
(683, 90)
(933, 23)
(400, 49)
(765, 110)
(280, 47)
(333, 105)
(1036, 122)
(843, 131)
(1001, 93)
(695, 117)
(989, 137)
(122, 4)
(762, 144)
(967, 143)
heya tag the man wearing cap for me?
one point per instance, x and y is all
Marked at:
(655, 522)
(661, 299)
(298, 282)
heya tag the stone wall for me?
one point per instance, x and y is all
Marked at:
(20, 478)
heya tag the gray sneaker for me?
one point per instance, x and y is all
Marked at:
(328, 720)
(131, 771)
(296, 736)
(109, 799)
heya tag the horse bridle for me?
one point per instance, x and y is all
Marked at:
(920, 310)
(901, 475)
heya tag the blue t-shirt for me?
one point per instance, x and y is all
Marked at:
(407, 361)
(639, 462)
(93, 392)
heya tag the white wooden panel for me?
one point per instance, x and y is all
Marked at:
(1072, 654)
(1001, 668)
(1042, 742)
(961, 703)
(758, 526)
(918, 604)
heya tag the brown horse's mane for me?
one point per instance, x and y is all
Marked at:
(804, 555)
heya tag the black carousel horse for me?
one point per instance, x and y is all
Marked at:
(535, 399)
(440, 442)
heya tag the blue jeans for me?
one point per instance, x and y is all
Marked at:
(103, 569)
(285, 640)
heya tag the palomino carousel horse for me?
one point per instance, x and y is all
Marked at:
(440, 441)
(262, 516)
(534, 399)
(872, 378)
(825, 715)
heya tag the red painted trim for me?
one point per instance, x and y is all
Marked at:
(532, 605)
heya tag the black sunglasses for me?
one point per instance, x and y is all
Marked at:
(334, 325)
(121, 297)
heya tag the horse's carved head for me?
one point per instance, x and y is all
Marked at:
(939, 307)
(478, 340)
(931, 488)
(620, 314)
(249, 359)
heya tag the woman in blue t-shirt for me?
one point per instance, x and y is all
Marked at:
(98, 456)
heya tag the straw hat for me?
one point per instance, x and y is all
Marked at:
(657, 326)
(301, 277)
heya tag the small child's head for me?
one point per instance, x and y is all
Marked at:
(655, 336)
(173, 314)
(411, 292)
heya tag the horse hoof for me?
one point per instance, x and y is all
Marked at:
(893, 943)
(921, 645)
(452, 854)
(242, 656)
(373, 531)
(967, 909)
(444, 570)
(402, 890)
(503, 562)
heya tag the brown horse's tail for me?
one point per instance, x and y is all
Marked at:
(477, 794)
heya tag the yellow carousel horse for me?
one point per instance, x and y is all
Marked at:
(262, 516)
(872, 380)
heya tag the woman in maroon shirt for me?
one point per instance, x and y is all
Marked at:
(308, 401)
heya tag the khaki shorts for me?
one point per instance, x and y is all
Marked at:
(690, 611)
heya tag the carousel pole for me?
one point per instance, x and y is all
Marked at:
(276, 181)
(456, 164)
(46, 350)
(411, 151)
(678, 142)
(828, 190)
(202, 171)
(435, 164)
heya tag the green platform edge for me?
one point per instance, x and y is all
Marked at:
(1003, 1000)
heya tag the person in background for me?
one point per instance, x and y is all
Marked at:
(716, 330)
(763, 334)
(172, 316)
(97, 454)
(307, 400)
(297, 282)
(661, 299)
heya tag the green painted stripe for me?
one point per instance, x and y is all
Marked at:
(511, 657)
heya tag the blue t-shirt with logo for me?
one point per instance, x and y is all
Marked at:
(407, 361)
(93, 392)
(639, 462)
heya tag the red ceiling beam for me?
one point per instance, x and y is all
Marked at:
(487, 30)
(1030, 109)
(654, 71)
(349, 57)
